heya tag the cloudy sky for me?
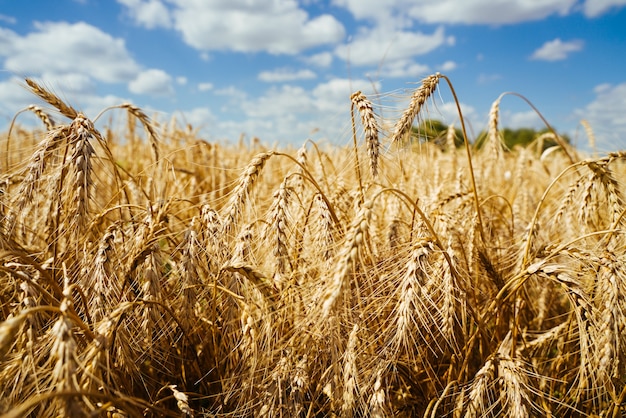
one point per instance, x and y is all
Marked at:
(283, 70)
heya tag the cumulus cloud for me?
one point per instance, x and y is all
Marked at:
(523, 119)
(205, 86)
(372, 46)
(403, 68)
(285, 74)
(607, 115)
(321, 60)
(232, 92)
(149, 14)
(448, 113)
(448, 66)
(8, 19)
(152, 82)
(14, 96)
(334, 95)
(290, 113)
(60, 48)
(484, 78)
(455, 11)
(557, 50)
(283, 100)
(77, 83)
(595, 8)
(369, 9)
(13, 91)
(7, 40)
(488, 11)
(199, 117)
(277, 27)
(69, 58)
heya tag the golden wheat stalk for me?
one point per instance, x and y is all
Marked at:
(370, 128)
(428, 87)
(347, 259)
(246, 182)
(51, 98)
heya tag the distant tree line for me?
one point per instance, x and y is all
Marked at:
(435, 131)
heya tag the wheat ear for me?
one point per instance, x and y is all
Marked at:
(591, 137)
(278, 221)
(348, 257)
(479, 390)
(81, 131)
(43, 116)
(370, 128)
(611, 305)
(38, 164)
(415, 311)
(51, 98)
(350, 371)
(147, 124)
(493, 135)
(246, 182)
(428, 87)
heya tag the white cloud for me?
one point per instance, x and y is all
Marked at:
(285, 74)
(471, 11)
(290, 114)
(385, 12)
(455, 11)
(60, 48)
(277, 27)
(149, 14)
(232, 92)
(403, 68)
(379, 45)
(607, 115)
(322, 59)
(233, 98)
(488, 11)
(72, 83)
(448, 113)
(523, 119)
(557, 50)
(181, 80)
(334, 95)
(283, 100)
(8, 38)
(153, 82)
(8, 19)
(13, 92)
(68, 59)
(484, 78)
(92, 105)
(73, 60)
(205, 86)
(14, 96)
(594, 8)
(448, 66)
(199, 117)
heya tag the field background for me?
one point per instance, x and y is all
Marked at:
(146, 271)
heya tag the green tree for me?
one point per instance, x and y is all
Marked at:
(435, 131)
(525, 136)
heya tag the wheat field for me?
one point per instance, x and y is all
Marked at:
(145, 271)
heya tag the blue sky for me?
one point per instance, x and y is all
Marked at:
(283, 70)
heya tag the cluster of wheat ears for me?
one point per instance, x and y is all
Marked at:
(153, 273)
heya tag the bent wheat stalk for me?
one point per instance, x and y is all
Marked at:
(370, 127)
(428, 87)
